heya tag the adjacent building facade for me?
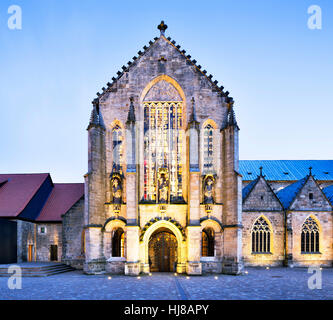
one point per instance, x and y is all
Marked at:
(165, 190)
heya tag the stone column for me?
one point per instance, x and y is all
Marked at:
(132, 265)
(288, 261)
(94, 216)
(193, 266)
(94, 257)
(232, 198)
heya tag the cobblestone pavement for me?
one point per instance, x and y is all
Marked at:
(258, 284)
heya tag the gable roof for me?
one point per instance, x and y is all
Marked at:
(17, 190)
(286, 170)
(61, 199)
(328, 191)
(151, 44)
(248, 188)
(288, 194)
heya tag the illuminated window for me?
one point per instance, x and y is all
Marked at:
(162, 146)
(208, 148)
(207, 243)
(117, 148)
(261, 237)
(310, 236)
(118, 243)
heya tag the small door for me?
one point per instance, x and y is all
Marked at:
(30, 252)
(54, 252)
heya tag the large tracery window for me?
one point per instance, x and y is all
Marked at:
(162, 146)
(261, 237)
(117, 148)
(208, 148)
(310, 236)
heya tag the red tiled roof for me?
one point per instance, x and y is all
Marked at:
(17, 190)
(61, 199)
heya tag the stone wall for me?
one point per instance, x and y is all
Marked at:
(52, 236)
(325, 257)
(276, 222)
(26, 235)
(72, 237)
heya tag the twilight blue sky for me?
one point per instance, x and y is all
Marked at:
(279, 72)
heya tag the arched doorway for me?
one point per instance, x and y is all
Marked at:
(162, 251)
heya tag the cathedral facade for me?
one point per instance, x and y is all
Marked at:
(165, 190)
(163, 169)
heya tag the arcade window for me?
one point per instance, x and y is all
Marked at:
(310, 236)
(261, 236)
(208, 148)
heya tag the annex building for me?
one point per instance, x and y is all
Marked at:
(165, 190)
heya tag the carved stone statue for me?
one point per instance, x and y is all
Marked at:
(116, 191)
(163, 188)
(209, 190)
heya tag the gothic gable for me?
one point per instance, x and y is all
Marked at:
(310, 198)
(261, 198)
(163, 58)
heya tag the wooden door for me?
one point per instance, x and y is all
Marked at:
(30, 252)
(163, 252)
(54, 252)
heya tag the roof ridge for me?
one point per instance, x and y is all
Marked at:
(24, 174)
(68, 183)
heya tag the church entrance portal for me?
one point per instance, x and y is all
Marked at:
(162, 251)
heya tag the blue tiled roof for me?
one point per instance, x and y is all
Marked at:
(286, 170)
(329, 193)
(247, 189)
(288, 194)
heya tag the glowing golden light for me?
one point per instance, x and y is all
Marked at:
(162, 146)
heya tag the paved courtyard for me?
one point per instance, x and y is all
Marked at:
(258, 284)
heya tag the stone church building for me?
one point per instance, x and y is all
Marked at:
(165, 190)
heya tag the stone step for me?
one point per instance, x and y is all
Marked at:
(38, 271)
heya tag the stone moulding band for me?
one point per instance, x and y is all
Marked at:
(93, 226)
(233, 226)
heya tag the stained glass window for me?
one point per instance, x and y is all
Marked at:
(261, 236)
(117, 148)
(310, 236)
(208, 148)
(162, 146)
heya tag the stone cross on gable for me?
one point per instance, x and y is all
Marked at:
(261, 171)
(162, 27)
